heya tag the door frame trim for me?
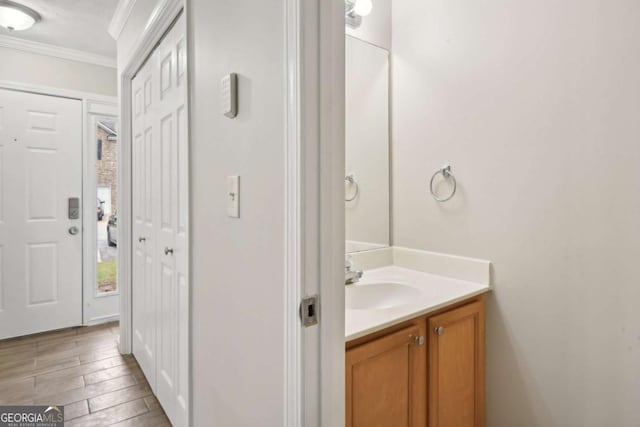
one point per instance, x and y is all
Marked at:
(330, 243)
(93, 104)
(314, 211)
(294, 231)
(96, 103)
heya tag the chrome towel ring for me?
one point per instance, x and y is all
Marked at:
(446, 173)
(351, 179)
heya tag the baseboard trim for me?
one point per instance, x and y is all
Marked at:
(103, 319)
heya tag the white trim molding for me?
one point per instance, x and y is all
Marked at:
(56, 51)
(314, 237)
(95, 103)
(120, 17)
(102, 319)
(331, 151)
(294, 231)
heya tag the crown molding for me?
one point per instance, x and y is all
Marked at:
(120, 17)
(57, 51)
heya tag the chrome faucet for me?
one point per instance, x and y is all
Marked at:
(350, 275)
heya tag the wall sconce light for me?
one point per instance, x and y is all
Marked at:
(355, 10)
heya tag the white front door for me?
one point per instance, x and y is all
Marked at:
(40, 245)
(160, 306)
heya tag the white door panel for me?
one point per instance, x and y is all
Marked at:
(167, 210)
(40, 169)
(181, 243)
(144, 314)
(172, 234)
(160, 181)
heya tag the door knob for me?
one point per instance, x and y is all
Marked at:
(142, 239)
(439, 330)
(74, 230)
(168, 251)
(417, 339)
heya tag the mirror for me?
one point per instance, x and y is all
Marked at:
(367, 146)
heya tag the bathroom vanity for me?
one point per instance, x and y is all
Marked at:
(414, 354)
(425, 371)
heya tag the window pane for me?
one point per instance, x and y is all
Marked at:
(107, 206)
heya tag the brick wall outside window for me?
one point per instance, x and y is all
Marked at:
(107, 168)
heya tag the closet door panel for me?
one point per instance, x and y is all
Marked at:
(181, 243)
(161, 291)
(144, 304)
(172, 232)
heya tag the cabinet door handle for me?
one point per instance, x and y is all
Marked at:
(168, 251)
(417, 339)
(439, 330)
(142, 239)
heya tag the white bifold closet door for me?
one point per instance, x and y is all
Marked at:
(160, 230)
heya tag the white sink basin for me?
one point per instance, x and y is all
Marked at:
(377, 296)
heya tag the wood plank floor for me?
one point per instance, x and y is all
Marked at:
(81, 369)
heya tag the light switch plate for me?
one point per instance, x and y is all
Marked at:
(229, 95)
(233, 196)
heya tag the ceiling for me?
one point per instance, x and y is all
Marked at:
(74, 24)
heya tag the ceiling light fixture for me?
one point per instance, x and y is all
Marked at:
(16, 17)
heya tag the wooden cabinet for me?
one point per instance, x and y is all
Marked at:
(456, 367)
(395, 378)
(386, 380)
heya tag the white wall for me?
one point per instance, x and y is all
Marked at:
(32, 68)
(376, 27)
(238, 264)
(237, 270)
(537, 107)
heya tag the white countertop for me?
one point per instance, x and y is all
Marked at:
(432, 293)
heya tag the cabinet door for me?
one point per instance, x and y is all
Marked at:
(386, 381)
(456, 367)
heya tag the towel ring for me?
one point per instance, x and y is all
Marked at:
(351, 179)
(446, 173)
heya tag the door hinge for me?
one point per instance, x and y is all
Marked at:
(309, 311)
